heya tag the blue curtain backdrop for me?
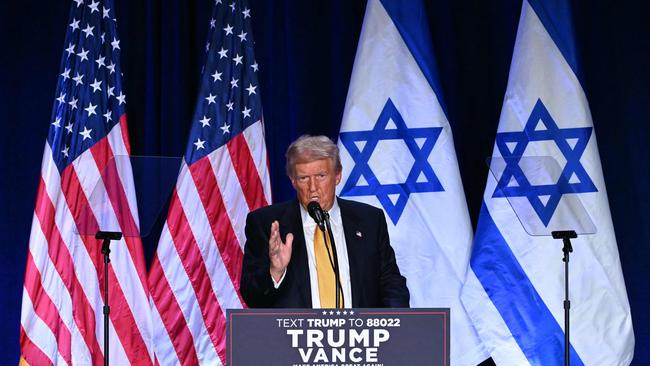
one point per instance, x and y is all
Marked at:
(305, 50)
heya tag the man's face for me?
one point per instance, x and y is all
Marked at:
(316, 181)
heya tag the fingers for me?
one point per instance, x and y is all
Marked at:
(275, 233)
(289, 241)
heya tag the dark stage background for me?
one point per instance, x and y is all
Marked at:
(305, 50)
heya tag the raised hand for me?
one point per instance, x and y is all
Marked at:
(279, 252)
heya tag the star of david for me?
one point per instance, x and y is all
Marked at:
(561, 137)
(421, 177)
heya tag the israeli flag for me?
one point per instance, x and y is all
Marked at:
(515, 288)
(398, 154)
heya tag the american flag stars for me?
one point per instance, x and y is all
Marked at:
(89, 90)
(229, 95)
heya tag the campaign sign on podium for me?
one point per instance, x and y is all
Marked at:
(343, 337)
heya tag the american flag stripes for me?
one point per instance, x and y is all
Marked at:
(61, 318)
(195, 274)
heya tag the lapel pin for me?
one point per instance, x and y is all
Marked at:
(359, 234)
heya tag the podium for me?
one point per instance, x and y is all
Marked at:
(337, 337)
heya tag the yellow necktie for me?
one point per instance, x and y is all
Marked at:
(326, 279)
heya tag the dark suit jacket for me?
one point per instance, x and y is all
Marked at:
(374, 275)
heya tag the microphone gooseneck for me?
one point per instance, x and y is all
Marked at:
(322, 220)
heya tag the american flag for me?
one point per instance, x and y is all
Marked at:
(61, 318)
(195, 274)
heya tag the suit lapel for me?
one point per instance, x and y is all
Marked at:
(291, 222)
(350, 229)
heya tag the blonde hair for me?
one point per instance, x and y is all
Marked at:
(311, 148)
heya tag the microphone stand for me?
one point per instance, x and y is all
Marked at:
(335, 262)
(106, 236)
(566, 237)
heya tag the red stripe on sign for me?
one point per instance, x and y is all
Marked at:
(171, 315)
(83, 315)
(31, 353)
(247, 173)
(222, 230)
(46, 310)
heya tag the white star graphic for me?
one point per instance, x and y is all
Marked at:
(70, 49)
(65, 151)
(93, 6)
(223, 53)
(237, 59)
(73, 103)
(251, 89)
(66, 74)
(254, 66)
(57, 122)
(207, 46)
(111, 67)
(100, 62)
(213, 23)
(230, 105)
(79, 2)
(75, 24)
(96, 85)
(247, 13)
(210, 98)
(109, 91)
(105, 12)
(69, 127)
(61, 98)
(233, 82)
(205, 121)
(216, 75)
(83, 54)
(86, 133)
(242, 36)
(246, 112)
(78, 79)
(228, 29)
(232, 6)
(88, 30)
(107, 115)
(115, 44)
(90, 109)
(225, 128)
(199, 144)
(121, 98)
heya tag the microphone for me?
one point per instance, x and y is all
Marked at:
(316, 213)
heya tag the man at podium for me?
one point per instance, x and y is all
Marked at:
(287, 258)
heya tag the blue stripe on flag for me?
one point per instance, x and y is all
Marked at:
(556, 17)
(531, 323)
(410, 18)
